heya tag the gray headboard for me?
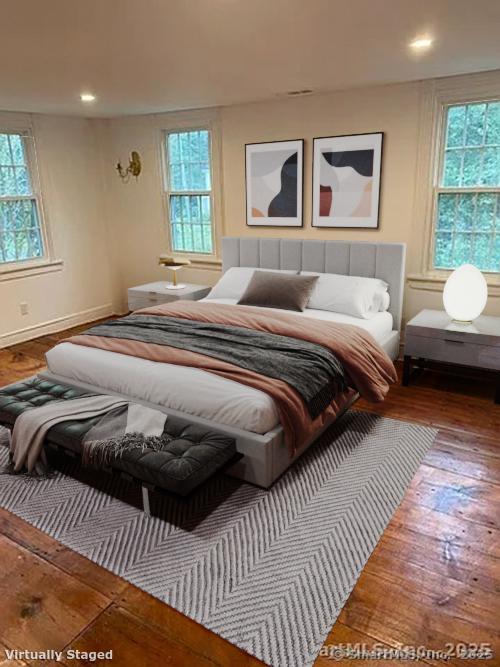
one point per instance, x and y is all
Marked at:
(351, 258)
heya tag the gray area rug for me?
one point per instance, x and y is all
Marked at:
(267, 570)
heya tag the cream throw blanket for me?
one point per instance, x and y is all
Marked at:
(31, 427)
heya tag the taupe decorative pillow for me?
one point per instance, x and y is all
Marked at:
(277, 290)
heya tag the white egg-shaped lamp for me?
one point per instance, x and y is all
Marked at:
(465, 294)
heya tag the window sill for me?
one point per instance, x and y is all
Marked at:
(30, 269)
(434, 282)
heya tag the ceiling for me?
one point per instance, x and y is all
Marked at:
(140, 56)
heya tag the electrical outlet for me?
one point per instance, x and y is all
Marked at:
(24, 308)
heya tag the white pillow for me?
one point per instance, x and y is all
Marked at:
(350, 295)
(234, 282)
(385, 301)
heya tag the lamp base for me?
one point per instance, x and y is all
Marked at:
(178, 286)
(462, 323)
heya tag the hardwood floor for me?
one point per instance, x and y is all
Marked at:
(433, 579)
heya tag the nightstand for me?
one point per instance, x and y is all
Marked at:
(153, 294)
(433, 335)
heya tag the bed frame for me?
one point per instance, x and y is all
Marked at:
(266, 457)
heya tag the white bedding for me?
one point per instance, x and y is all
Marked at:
(380, 325)
(188, 390)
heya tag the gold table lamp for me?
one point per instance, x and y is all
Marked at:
(174, 264)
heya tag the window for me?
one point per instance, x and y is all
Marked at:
(20, 230)
(467, 228)
(189, 191)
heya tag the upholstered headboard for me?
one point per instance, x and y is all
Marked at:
(371, 260)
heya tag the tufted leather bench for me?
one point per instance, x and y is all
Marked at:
(193, 455)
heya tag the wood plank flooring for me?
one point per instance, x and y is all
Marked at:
(433, 579)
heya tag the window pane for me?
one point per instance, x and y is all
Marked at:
(14, 175)
(23, 186)
(474, 134)
(175, 209)
(493, 124)
(494, 264)
(462, 247)
(452, 168)
(190, 217)
(485, 211)
(17, 149)
(471, 172)
(173, 148)
(20, 236)
(446, 212)
(206, 214)
(482, 249)
(468, 230)
(455, 127)
(465, 206)
(8, 186)
(189, 160)
(5, 157)
(442, 250)
(491, 167)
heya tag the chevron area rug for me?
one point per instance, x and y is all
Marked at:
(267, 570)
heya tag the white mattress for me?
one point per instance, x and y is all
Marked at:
(188, 390)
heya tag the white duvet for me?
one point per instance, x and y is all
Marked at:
(188, 390)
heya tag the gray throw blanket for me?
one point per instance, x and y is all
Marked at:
(311, 369)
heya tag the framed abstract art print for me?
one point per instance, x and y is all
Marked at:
(274, 183)
(346, 181)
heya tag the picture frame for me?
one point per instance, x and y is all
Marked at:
(347, 173)
(274, 183)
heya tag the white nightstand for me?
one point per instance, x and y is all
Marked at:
(153, 294)
(433, 335)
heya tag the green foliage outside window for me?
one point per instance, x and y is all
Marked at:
(468, 200)
(189, 191)
(20, 234)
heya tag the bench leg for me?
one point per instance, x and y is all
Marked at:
(145, 500)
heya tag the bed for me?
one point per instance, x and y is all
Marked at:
(245, 413)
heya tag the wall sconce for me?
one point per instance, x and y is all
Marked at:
(134, 167)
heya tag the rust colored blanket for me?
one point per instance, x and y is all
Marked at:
(369, 369)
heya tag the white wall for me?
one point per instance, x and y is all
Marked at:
(70, 177)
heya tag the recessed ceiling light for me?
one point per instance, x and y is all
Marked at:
(87, 97)
(421, 43)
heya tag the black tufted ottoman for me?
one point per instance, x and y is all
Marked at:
(193, 455)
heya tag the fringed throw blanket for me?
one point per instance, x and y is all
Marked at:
(122, 426)
(133, 427)
(349, 356)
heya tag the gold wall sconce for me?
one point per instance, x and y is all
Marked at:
(134, 167)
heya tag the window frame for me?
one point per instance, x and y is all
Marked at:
(431, 96)
(21, 265)
(195, 257)
(438, 189)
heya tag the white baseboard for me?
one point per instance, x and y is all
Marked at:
(53, 326)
